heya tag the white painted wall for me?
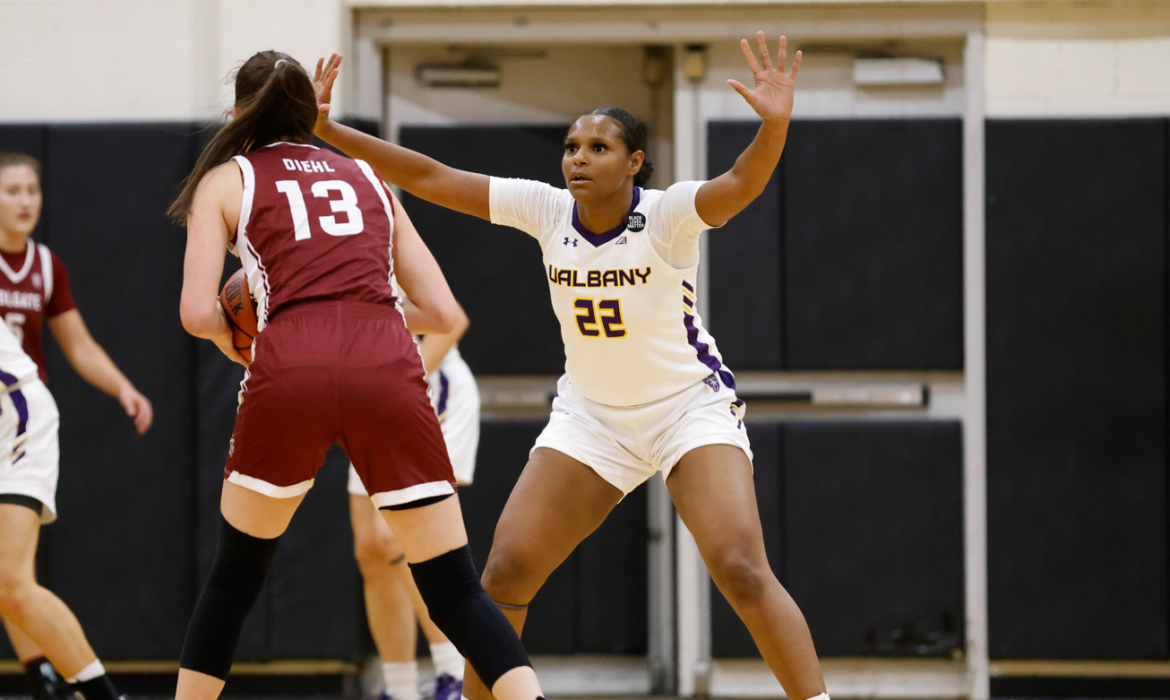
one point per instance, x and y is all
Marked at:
(1108, 58)
(304, 29)
(127, 60)
(73, 60)
(144, 60)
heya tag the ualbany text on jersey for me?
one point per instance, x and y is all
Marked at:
(599, 278)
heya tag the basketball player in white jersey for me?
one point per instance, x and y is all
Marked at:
(34, 292)
(644, 388)
(28, 484)
(393, 602)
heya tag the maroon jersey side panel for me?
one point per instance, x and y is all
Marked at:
(319, 228)
(30, 293)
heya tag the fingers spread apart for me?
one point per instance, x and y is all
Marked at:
(766, 58)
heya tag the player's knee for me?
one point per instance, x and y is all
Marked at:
(508, 576)
(742, 578)
(374, 552)
(461, 609)
(15, 588)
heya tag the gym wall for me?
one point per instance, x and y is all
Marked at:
(1077, 352)
(1076, 401)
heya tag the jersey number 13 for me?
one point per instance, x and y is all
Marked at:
(347, 204)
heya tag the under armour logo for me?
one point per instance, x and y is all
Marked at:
(621, 241)
(571, 241)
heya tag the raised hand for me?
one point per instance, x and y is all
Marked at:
(772, 96)
(323, 78)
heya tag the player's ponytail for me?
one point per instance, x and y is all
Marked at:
(276, 101)
(634, 135)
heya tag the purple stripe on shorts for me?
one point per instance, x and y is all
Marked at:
(444, 392)
(687, 301)
(21, 405)
(688, 286)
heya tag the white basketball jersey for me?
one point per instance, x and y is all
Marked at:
(628, 319)
(16, 367)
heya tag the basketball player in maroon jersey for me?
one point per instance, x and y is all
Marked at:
(333, 363)
(35, 289)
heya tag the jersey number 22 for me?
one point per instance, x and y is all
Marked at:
(610, 318)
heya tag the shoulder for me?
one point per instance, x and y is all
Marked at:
(519, 186)
(222, 177)
(675, 202)
(529, 205)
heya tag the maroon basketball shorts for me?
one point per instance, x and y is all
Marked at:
(338, 373)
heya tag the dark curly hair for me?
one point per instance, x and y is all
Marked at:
(634, 135)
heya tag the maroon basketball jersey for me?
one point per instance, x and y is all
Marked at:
(314, 226)
(34, 287)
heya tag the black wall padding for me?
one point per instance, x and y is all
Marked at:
(744, 258)
(596, 601)
(24, 138)
(729, 637)
(1076, 389)
(863, 525)
(496, 272)
(874, 535)
(612, 582)
(121, 550)
(873, 243)
(315, 588)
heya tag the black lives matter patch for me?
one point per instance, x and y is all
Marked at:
(635, 221)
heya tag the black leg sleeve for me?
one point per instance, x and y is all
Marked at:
(237, 575)
(458, 605)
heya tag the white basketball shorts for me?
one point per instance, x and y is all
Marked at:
(29, 452)
(455, 396)
(627, 445)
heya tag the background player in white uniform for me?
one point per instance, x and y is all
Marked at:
(392, 598)
(28, 486)
(644, 389)
(35, 291)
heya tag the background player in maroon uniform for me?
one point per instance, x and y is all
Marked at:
(35, 289)
(333, 363)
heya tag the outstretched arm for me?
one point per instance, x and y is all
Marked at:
(727, 195)
(424, 177)
(96, 367)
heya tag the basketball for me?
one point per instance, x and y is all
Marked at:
(240, 311)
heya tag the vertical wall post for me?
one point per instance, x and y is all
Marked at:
(694, 601)
(975, 374)
(660, 561)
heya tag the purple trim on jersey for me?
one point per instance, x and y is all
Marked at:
(21, 405)
(704, 353)
(599, 239)
(444, 392)
(687, 300)
(688, 287)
